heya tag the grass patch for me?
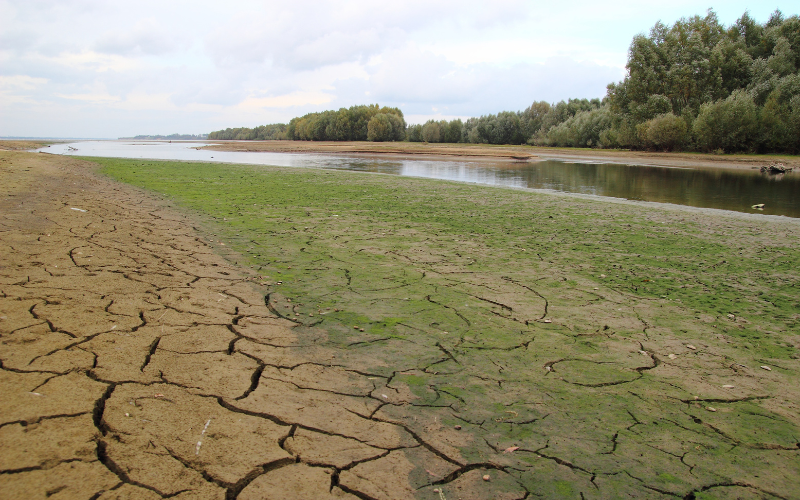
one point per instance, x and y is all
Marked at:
(552, 323)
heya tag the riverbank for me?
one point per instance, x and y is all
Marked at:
(22, 144)
(507, 153)
(386, 337)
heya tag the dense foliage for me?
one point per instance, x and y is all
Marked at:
(735, 88)
(695, 85)
(274, 132)
(358, 123)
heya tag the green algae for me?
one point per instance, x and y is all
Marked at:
(555, 324)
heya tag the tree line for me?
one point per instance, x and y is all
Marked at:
(695, 85)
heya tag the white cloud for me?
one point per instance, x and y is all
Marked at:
(98, 68)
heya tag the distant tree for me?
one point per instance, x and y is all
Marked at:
(532, 119)
(431, 131)
(452, 133)
(415, 133)
(666, 132)
(379, 128)
(728, 125)
(398, 126)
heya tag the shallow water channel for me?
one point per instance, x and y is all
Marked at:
(725, 189)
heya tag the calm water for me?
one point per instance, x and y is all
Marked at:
(734, 190)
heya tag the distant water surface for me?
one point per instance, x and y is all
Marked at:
(725, 189)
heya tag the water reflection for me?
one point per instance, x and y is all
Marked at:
(734, 190)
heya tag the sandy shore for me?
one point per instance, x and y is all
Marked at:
(485, 152)
(137, 363)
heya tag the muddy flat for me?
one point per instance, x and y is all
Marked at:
(224, 331)
(488, 152)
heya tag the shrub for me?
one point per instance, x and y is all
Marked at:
(730, 124)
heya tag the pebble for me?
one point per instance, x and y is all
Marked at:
(458, 427)
(690, 346)
(486, 477)
(767, 368)
(710, 408)
(672, 356)
(727, 386)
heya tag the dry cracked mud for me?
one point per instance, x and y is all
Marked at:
(137, 362)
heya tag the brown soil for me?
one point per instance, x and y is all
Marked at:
(137, 363)
(21, 145)
(485, 152)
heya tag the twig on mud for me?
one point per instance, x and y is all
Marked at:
(203, 433)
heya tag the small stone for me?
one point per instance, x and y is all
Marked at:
(711, 408)
(690, 346)
(310, 315)
(602, 275)
(355, 328)
(766, 368)
(672, 356)
(360, 329)
(548, 321)
(458, 427)
(486, 477)
(727, 386)
(731, 316)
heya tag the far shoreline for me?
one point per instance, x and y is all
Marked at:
(507, 153)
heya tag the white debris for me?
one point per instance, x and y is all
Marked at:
(766, 368)
(203, 433)
(77, 209)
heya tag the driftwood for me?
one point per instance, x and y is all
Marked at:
(776, 168)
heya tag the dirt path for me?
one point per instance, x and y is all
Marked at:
(138, 364)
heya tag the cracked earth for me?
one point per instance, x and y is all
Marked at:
(137, 362)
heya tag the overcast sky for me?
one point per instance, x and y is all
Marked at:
(84, 68)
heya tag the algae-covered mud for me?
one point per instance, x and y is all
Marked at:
(563, 347)
(579, 348)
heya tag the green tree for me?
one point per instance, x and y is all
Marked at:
(728, 125)
(432, 131)
(379, 128)
(666, 132)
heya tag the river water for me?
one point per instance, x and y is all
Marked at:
(725, 189)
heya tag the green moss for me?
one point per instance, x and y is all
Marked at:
(453, 285)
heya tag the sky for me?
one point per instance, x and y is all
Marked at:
(108, 69)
